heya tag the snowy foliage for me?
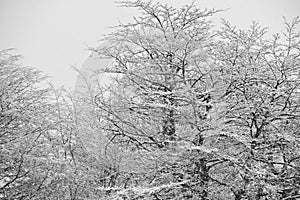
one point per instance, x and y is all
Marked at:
(191, 112)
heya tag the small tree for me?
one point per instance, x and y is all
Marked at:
(37, 135)
(23, 126)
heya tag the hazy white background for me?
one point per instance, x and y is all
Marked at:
(53, 35)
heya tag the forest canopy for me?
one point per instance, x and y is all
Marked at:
(192, 111)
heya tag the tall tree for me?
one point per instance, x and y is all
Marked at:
(201, 114)
(261, 110)
(159, 101)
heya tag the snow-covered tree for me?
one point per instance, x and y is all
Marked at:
(157, 108)
(261, 111)
(197, 113)
(37, 136)
(23, 128)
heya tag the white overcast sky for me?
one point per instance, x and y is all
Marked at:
(52, 34)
